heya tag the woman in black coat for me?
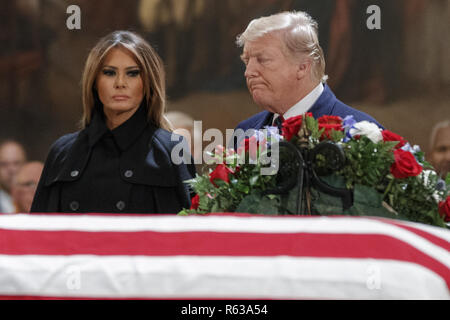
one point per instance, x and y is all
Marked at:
(125, 159)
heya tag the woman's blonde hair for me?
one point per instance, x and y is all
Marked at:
(152, 73)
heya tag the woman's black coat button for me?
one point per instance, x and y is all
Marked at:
(120, 205)
(74, 205)
(128, 173)
(74, 173)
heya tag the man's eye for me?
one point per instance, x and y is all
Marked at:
(109, 73)
(133, 73)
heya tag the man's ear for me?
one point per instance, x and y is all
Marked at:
(303, 69)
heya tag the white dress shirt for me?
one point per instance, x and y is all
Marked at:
(303, 105)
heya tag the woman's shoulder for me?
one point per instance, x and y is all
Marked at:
(167, 138)
(171, 145)
(65, 142)
(60, 148)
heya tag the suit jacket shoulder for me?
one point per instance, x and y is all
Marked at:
(328, 104)
(257, 121)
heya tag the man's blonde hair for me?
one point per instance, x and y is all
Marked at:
(299, 33)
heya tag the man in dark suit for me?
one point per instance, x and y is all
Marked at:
(285, 72)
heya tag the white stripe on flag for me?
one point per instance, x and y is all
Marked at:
(217, 277)
(442, 233)
(172, 223)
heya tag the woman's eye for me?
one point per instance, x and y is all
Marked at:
(109, 73)
(133, 73)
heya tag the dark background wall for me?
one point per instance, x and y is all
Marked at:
(399, 74)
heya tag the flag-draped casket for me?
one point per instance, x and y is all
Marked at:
(223, 256)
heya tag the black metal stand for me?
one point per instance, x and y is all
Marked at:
(300, 170)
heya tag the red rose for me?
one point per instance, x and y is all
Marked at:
(444, 209)
(292, 125)
(195, 202)
(390, 136)
(330, 123)
(330, 120)
(221, 173)
(405, 165)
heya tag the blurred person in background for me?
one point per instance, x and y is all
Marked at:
(121, 160)
(12, 157)
(25, 184)
(439, 156)
(183, 124)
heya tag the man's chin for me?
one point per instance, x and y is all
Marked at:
(261, 102)
(263, 106)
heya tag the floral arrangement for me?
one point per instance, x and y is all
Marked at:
(385, 174)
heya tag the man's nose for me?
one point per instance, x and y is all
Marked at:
(251, 69)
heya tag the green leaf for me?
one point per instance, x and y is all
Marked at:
(254, 180)
(337, 136)
(256, 203)
(312, 124)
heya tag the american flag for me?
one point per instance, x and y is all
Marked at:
(221, 256)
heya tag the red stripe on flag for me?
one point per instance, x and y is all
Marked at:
(19, 242)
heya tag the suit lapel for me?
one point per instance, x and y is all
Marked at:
(264, 120)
